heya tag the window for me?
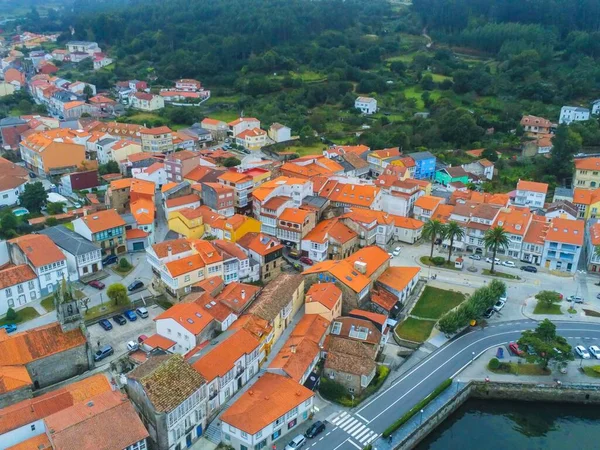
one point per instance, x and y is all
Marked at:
(31, 285)
(33, 427)
(8, 292)
(186, 278)
(48, 277)
(231, 429)
(276, 435)
(292, 413)
(348, 377)
(259, 434)
(307, 403)
(244, 434)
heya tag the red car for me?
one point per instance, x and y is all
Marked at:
(96, 284)
(306, 260)
(514, 347)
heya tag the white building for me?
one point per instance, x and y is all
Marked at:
(531, 194)
(570, 114)
(596, 107)
(280, 133)
(228, 365)
(83, 257)
(155, 173)
(13, 179)
(187, 324)
(19, 285)
(367, 105)
(83, 47)
(242, 124)
(265, 414)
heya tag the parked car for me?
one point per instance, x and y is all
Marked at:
(132, 346)
(104, 352)
(10, 327)
(598, 296)
(504, 297)
(514, 347)
(137, 284)
(296, 443)
(96, 284)
(104, 323)
(396, 251)
(488, 313)
(306, 260)
(315, 429)
(438, 241)
(142, 312)
(582, 352)
(298, 267)
(294, 253)
(575, 299)
(130, 315)
(112, 259)
(594, 351)
(499, 305)
(531, 269)
(496, 260)
(142, 338)
(119, 319)
(475, 257)
(508, 264)
(32, 175)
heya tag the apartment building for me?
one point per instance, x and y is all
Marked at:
(266, 250)
(329, 239)
(104, 228)
(186, 324)
(157, 140)
(293, 224)
(219, 198)
(531, 194)
(425, 206)
(53, 152)
(563, 244)
(179, 164)
(587, 173)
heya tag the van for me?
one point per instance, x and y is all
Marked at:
(294, 253)
(142, 312)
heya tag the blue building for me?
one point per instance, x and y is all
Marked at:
(425, 165)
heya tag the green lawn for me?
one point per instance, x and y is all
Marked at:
(224, 115)
(102, 309)
(24, 315)
(439, 78)
(592, 371)
(520, 369)
(143, 117)
(69, 225)
(508, 276)
(406, 58)
(416, 92)
(223, 99)
(543, 309)
(301, 150)
(446, 265)
(415, 330)
(435, 302)
(48, 303)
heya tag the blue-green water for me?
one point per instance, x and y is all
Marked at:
(501, 425)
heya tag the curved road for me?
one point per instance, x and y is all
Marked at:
(356, 428)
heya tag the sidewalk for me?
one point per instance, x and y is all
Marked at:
(529, 305)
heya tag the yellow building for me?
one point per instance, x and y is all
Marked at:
(587, 173)
(324, 299)
(235, 227)
(6, 89)
(187, 222)
(122, 149)
(587, 202)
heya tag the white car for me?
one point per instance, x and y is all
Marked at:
(489, 260)
(499, 305)
(595, 351)
(508, 264)
(396, 252)
(582, 352)
(476, 257)
(296, 443)
(132, 346)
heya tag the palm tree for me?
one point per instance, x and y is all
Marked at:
(495, 238)
(453, 231)
(432, 230)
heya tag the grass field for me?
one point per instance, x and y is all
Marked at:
(315, 149)
(439, 78)
(434, 302)
(416, 92)
(223, 99)
(224, 115)
(508, 276)
(24, 315)
(48, 303)
(520, 369)
(415, 330)
(406, 58)
(543, 309)
(592, 371)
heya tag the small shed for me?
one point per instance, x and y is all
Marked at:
(458, 263)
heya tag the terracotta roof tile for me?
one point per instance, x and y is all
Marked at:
(103, 220)
(566, 231)
(328, 294)
(271, 397)
(39, 249)
(13, 378)
(533, 186)
(39, 442)
(16, 275)
(276, 295)
(174, 247)
(158, 341)
(428, 202)
(184, 200)
(189, 315)
(261, 243)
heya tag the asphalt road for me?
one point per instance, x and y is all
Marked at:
(363, 425)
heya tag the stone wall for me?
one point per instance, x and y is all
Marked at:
(58, 367)
(12, 397)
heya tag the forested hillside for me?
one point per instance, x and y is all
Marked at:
(303, 63)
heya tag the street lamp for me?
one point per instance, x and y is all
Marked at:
(352, 396)
(101, 302)
(457, 384)
(421, 418)
(473, 359)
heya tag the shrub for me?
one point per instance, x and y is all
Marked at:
(331, 390)
(12, 315)
(124, 264)
(438, 260)
(494, 364)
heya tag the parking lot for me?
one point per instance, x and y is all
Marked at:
(121, 334)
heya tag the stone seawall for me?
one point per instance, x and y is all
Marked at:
(416, 429)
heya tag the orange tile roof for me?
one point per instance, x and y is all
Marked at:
(108, 422)
(295, 215)
(185, 200)
(398, 277)
(185, 265)
(475, 153)
(210, 121)
(353, 194)
(143, 211)
(39, 442)
(330, 229)
(135, 233)
(595, 234)
(386, 153)
(586, 196)
(328, 294)
(384, 298)
(137, 157)
(407, 222)
(536, 234)
(261, 243)
(533, 186)
(174, 247)
(13, 378)
(257, 326)
(168, 186)
(156, 130)
(222, 357)
(31, 410)
(39, 249)
(189, 315)
(312, 327)
(143, 187)
(103, 220)
(123, 183)
(296, 357)
(261, 192)
(158, 341)
(271, 397)
(242, 119)
(380, 319)
(587, 164)
(428, 202)
(566, 231)
(514, 220)
(373, 255)
(442, 213)
(16, 275)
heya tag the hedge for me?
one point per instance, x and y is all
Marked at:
(418, 407)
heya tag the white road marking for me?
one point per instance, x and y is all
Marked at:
(358, 415)
(340, 445)
(362, 435)
(372, 438)
(321, 439)
(355, 444)
(354, 428)
(328, 434)
(357, 430)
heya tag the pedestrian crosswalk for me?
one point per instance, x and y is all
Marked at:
(355, 427)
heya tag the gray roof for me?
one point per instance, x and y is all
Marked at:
(563, 192)
(418, 156)
(69, 241)
(107, 141)
(80, 43)
(313, 200)
(11, 121)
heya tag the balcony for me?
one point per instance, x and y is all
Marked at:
(213, 394)
(239, 371)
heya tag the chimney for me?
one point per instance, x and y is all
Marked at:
(243, 294)
(292, 348)
(360, 267)
(169, 251)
